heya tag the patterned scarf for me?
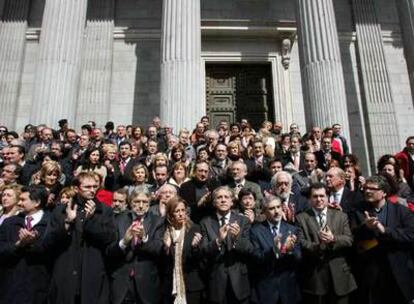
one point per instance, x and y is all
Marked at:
(178, 277)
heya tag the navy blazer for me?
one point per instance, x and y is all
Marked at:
(227, 264)
(273, 277)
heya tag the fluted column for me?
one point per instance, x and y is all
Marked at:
(322, 75)
(182, 98)
(95, 85)
(406, 13)
(58, 70)
(382, 130)
(13, 28)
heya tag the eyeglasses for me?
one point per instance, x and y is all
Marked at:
(372, 189)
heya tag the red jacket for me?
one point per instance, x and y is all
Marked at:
(403, 160)
(104, 196)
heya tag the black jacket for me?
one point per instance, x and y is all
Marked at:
(24, 271)
(139, 263)
(192, 265)
(393, 249)
(79, 268)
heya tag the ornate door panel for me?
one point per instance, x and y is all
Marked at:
(221, 90)
(239, 91)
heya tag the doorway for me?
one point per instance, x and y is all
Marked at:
(237, 91)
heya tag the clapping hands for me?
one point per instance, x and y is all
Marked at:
(373, 223)
(26, 237)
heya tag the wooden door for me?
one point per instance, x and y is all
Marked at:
(239, 91)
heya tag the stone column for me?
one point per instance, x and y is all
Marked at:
(182, 98)
(95, 84)
(406, 14)
(13, 28)
(382, 130)
(322, 75)
(58, 70)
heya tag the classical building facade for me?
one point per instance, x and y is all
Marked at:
(313, 62)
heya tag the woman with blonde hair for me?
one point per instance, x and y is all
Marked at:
(49, 176)
(66, 195)
(9, 199)
(183, 282)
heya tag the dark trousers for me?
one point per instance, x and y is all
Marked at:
(330, 298)
(230, 297)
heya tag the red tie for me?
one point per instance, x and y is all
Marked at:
(29, 220)
(123, 165)
(136, 240)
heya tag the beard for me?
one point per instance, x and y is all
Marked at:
(282, 195)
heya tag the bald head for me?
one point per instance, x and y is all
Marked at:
(335, 179)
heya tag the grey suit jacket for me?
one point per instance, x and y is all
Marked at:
(325, 265)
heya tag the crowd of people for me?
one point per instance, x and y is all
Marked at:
(219, 214)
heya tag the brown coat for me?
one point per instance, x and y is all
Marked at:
(325, 265)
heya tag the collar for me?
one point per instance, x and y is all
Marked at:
(37, 217)
(317, 212)
(276, 224)
(125, 161)
(242, 182)
(260, 158)
(339, 193)
(227, 216)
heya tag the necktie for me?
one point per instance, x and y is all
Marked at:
(137, 240)
(123, 165)
(322, 220)
(274, 230)
(296, 161)
(223, 221)
(29, 220)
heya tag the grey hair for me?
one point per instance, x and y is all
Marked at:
(134, 194)
(268, 200)
(279, 174)
(239, 162)
(225, 188)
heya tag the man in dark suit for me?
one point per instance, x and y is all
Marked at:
(325, 237)
(134, 257)
(17, 156)
(275, 255)
(196, 192)
(258, 166)
(77, 236)
(226, 246)
(341, 197)
(325, 154)
(126, 163)
(310, 174)
(384, 236)
(238, 172)
(24, 269)
(294, 158)
(220, 163)
(292, 204)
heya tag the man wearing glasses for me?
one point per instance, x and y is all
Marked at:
(384, 237)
